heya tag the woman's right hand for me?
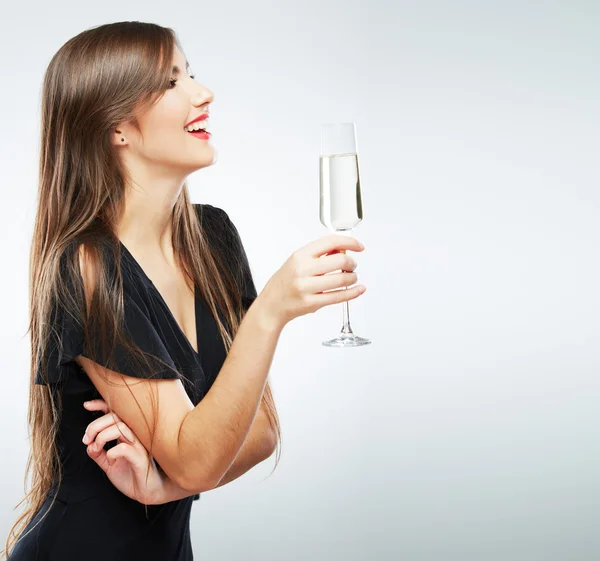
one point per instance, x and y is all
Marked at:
(297, 288)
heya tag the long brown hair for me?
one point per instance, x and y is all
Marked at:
(97, 79)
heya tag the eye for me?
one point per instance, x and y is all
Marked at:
(173, 81)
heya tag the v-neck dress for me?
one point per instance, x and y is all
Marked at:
(90, 519)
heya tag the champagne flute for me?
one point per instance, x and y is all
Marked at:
(340, 206)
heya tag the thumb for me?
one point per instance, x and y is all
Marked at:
(100, 458)
(128, 453)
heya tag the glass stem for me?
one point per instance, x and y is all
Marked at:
(346, 329)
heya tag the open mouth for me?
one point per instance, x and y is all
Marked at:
(198, 127)
(200, 133)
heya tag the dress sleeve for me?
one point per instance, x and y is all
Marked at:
(241, 259)
(230, 244)
(66, 340)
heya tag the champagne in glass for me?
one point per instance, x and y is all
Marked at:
(340, 202)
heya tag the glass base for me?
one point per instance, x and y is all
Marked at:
(347, 340)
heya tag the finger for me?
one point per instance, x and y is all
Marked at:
(119, 431)
(316, 285)
(96, 426)
(99, 424)
(106, 458)
(328, 244)
(96, 405)
(99, 457)
(332, 262)
(337, 296)
(123, 450)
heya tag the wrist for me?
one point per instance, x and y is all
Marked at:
(262, 314)
(167, 492)
(159, 496)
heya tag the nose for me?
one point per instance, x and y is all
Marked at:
(202, 95)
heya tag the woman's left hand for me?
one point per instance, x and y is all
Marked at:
(128, 465)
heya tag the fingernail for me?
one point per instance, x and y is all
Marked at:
(361, 245)
(86, 438)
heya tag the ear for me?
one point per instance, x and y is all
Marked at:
(119, 137)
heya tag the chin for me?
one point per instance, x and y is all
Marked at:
(205, 162)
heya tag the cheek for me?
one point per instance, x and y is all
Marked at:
(168, 117)
(163, 136)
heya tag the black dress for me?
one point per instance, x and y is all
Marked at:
(90, 519)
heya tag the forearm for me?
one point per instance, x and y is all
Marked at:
(257, 447)
(213, 433)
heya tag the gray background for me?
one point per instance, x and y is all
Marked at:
(468, 430)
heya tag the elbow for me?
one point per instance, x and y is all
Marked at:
(194, 483)
(200, 481)
(271, 444)
(193, 476)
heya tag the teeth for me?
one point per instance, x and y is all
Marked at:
(198, 125)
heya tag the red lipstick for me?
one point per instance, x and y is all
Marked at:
(200, 118)
(201, 135)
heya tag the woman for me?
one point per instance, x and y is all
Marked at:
(149, 340)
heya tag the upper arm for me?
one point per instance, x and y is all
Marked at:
(147, 406)
(143, 404)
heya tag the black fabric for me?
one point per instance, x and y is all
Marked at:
(227, 241)
(143, 322)
(94, 520)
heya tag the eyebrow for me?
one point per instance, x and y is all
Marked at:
(176, 69)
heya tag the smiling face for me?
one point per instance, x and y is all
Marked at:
(165, 145)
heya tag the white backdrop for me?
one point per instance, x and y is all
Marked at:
(468, 430)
